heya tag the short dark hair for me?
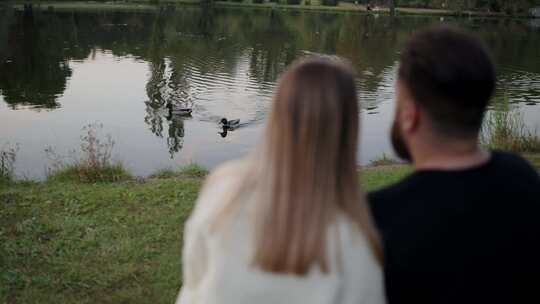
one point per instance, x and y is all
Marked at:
(450, 74)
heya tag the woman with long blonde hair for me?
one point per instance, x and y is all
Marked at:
(289, 224)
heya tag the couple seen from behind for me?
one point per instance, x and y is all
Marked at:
(291, 223)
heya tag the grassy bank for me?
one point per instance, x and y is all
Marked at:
(70, 242)
(534, 159)
(504, 128)
(313, 6)
(108, 242)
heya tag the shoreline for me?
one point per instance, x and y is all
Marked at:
(105, 242)
(108, 242)
(381, 165)
(343, 7)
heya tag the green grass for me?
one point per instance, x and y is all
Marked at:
(92, 164)
(8, 157)
(534, 159)
(384, 160)
(192, 170)
(505, 129)
(116, 242)
(87, 174)
(374, 178)
(164, 173)
(67, 242)
(71, 242)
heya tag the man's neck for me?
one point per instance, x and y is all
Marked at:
(450, 156)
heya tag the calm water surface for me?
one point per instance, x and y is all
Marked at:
(61, 70)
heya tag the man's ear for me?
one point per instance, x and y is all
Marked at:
(409, 112)
(411, 116)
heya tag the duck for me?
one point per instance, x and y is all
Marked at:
(230, 124)
(224, 133)
(179, 109)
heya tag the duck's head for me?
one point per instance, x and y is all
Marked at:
(224, 121)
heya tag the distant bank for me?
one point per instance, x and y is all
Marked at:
(313, 5)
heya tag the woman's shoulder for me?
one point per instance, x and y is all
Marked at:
(227, 173)
(220, 185)
(224, 179)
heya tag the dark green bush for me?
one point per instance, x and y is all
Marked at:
(330, 2)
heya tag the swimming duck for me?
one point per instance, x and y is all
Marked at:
(230, 124)
(224, 133)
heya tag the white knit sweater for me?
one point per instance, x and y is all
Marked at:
(217, 265)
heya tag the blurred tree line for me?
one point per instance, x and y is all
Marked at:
(498, 6)
(495, 6)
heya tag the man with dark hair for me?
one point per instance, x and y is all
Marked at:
(465, 226)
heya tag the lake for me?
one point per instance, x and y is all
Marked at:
(61, 70)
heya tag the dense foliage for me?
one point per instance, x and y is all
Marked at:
(505, 6)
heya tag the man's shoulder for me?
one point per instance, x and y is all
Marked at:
(505, 168)
(502, 162)
(514, 167)
(378, 199)
(511, 160)
(390, 202)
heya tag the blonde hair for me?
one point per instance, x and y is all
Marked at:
(305, 170)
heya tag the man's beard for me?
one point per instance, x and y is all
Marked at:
(398, 143)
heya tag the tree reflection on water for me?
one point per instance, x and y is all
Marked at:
(191, 51)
